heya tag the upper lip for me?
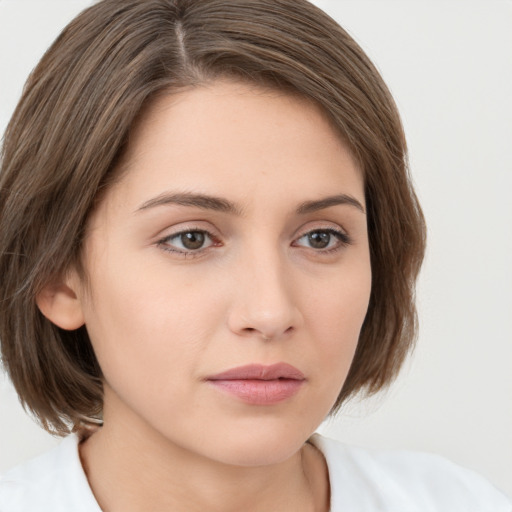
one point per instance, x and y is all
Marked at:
(260, 372)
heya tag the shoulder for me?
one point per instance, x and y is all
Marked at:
(404, 481)
(54, 481)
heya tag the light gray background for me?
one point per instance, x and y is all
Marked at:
(449, 65)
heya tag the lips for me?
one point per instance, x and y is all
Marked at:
(259, 384)
(261, 372)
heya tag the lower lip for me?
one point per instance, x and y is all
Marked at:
(260, 392)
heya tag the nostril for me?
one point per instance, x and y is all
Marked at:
(249, 331)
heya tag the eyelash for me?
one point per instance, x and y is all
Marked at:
(344, 240)
(164, 242)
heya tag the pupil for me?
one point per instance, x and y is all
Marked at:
(319, 239)
(192, 240)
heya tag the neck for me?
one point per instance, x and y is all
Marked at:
(134, 469)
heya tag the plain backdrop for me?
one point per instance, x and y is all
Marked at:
(449, 66)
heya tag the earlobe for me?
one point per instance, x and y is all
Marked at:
(59, 302)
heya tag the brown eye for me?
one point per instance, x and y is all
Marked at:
(323, 240)
(319, 239)
(192, 240)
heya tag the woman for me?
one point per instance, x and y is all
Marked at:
(209, 240)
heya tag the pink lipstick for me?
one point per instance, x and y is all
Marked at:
(258, 384)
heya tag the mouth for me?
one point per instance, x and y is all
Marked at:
(259, 384)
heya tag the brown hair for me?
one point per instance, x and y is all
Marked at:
(72, 123)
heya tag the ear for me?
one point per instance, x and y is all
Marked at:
(59, 302)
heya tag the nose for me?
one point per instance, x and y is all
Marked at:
(264, 304)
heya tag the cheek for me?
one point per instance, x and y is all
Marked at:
(139, 326)
(336, 316)
(339, 308)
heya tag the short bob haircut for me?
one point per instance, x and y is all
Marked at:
(72, 124)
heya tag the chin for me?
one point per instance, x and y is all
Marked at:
(258, 446)
(258, 453)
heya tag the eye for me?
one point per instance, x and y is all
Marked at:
(193, 240)
(323, 240)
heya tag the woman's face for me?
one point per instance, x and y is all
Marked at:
(236, 236)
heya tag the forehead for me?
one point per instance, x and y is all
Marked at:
(237, 139)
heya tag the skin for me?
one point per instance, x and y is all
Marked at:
(162, 317)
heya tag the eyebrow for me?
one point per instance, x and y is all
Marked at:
(204, 202)
(207, 202)
(327, 202)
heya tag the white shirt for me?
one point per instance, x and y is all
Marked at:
(361, 481)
